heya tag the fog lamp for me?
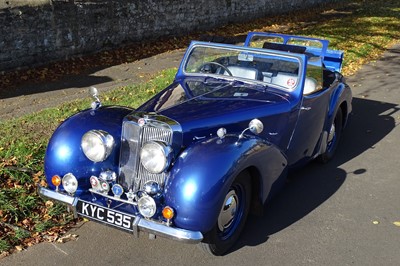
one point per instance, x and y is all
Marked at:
(70, 183)
(108, 175)
(147, 206)
(152, 188)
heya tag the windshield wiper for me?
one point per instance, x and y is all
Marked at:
(213, 80)
(250, 85)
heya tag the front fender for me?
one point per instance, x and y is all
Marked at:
(64, 154)
(203, 173)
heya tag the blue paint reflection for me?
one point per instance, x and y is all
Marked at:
(64, 152)
(189, 190)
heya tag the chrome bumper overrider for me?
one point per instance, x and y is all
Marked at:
(139, 223)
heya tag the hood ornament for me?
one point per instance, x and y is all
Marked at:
(94, 93)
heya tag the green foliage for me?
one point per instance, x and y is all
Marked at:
(4, 245)
(21, 234)
(43, 226)
(56, 210)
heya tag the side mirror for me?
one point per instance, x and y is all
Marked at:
(256, 126)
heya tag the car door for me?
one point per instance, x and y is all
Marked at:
(310, 124)
(313, 112)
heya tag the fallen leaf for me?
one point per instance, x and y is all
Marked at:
(43, 183)
(4, 254)
(375, 222)
(49, 204)
(397, 223)
(67, 238)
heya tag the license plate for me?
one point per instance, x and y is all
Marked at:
(105, 215)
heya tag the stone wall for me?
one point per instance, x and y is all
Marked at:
(37, 31)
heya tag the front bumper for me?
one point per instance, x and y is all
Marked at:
(139, 224)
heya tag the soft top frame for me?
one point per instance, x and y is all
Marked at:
(332, 58)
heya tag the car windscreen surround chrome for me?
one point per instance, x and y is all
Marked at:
(267, 52)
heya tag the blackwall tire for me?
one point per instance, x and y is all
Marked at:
(231, 219)
(333, 138)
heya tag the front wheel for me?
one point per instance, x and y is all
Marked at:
(231, 219)
(334, 135)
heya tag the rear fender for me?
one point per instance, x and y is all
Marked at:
(341, 94)
(203, 173)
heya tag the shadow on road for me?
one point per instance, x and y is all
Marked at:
(79, 81)
(309, 187)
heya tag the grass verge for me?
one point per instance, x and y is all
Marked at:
(25, 218)
(363, 29)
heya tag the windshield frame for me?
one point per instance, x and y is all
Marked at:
(299, 58)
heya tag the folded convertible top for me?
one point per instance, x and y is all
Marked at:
(298, 44)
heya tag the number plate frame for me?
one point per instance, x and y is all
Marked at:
(105, 215)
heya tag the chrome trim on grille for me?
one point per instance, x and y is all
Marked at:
(132, 173)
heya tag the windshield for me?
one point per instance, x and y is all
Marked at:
(255, 66)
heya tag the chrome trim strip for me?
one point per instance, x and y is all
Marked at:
(182, 235)
(63, 198)
(112, 197)
(140, 224)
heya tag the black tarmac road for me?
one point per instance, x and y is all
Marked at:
(346, 212)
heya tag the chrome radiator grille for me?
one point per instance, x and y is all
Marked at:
(132, 174)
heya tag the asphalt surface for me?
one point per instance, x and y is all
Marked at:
(340, 213)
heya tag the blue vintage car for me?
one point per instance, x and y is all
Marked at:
(191, 163)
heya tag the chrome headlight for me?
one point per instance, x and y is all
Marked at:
(70, 183)
(97, 145)
(147, 206)
(155, 156)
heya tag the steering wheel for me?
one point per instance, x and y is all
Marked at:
(217, 64)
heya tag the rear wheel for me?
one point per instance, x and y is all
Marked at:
(334, 135)
(231, 219)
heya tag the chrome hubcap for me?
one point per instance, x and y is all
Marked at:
(228, 211)
(331, 133)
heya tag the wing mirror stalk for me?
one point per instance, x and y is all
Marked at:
(255, 126)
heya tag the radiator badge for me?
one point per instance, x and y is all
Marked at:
(141, 122)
